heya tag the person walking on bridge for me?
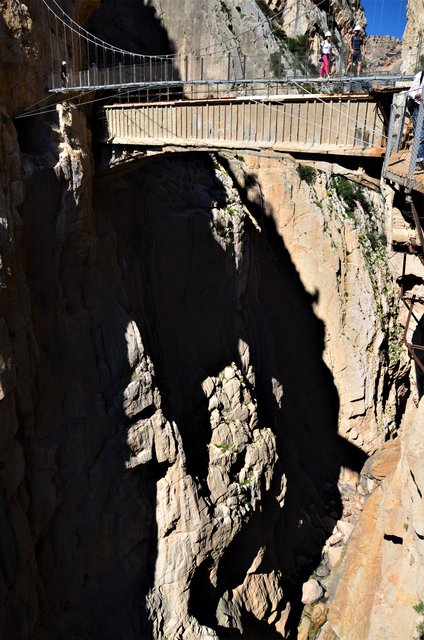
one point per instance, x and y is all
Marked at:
(63, 74)
(357, 50)
(326, 51)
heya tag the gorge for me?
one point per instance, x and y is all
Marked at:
(209, 424)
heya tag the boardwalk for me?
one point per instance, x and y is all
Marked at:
(398, 169)
(340, 125)
(402, 148)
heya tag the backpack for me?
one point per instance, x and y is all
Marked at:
(410, 102)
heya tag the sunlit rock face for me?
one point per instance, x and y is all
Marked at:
(304, 17)
(412, 41)
(383, 566)
(383, 54)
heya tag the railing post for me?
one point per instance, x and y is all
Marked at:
(186, 68)
(417, 224)
(150, 70)
(120, 73)
(401, 123)
(389, 136)
(244, 67)
(229, 66)
(201, 68)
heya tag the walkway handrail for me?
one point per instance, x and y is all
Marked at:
(397, 133)
(187, 68)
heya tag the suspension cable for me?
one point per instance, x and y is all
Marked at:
(373, 131)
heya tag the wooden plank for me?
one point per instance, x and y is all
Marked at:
(278, 119)
(338, 123)
(312, 125)
(269, 115)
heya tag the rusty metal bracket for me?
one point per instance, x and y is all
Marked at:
(412, 348)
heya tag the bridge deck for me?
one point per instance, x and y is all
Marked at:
(88, 81)
(398, 168)
(337, 124)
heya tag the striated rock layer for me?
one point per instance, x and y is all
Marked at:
(382, 570)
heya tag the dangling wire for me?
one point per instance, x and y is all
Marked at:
(66, 56)
(51, 42)
(57, 42)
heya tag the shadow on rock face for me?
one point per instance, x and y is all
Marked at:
(418, 339)
(158, 305)
(199, 318)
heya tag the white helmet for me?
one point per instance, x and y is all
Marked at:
(327, 33)
(357, 27)
(63, 61)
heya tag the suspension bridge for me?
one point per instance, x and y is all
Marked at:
(216, 98)
(291, 112)
(223, 99)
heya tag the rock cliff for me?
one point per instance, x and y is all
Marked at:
(197, 357)
(383, 54)
(412, 41)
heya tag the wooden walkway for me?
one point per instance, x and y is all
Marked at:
(397, 171)
(310, 124)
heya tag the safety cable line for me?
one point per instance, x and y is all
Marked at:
(92, 39)
(260, 24)
(373, 131)
(96, 41)
(107, 100)
(99, 42)
(268, 20)
(321, 126)
(293, 117)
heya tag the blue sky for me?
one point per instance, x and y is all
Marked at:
(385, 17)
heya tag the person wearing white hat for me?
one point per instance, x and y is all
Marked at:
(63, 74)
(357, 50)
(326, 50)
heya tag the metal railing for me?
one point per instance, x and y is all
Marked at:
(189, 68)
(399, 136)
(182, 68)
(415, 350)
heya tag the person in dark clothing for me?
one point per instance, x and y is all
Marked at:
(63, 74)
(357, 50)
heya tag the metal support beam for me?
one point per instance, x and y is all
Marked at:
(417, 224)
